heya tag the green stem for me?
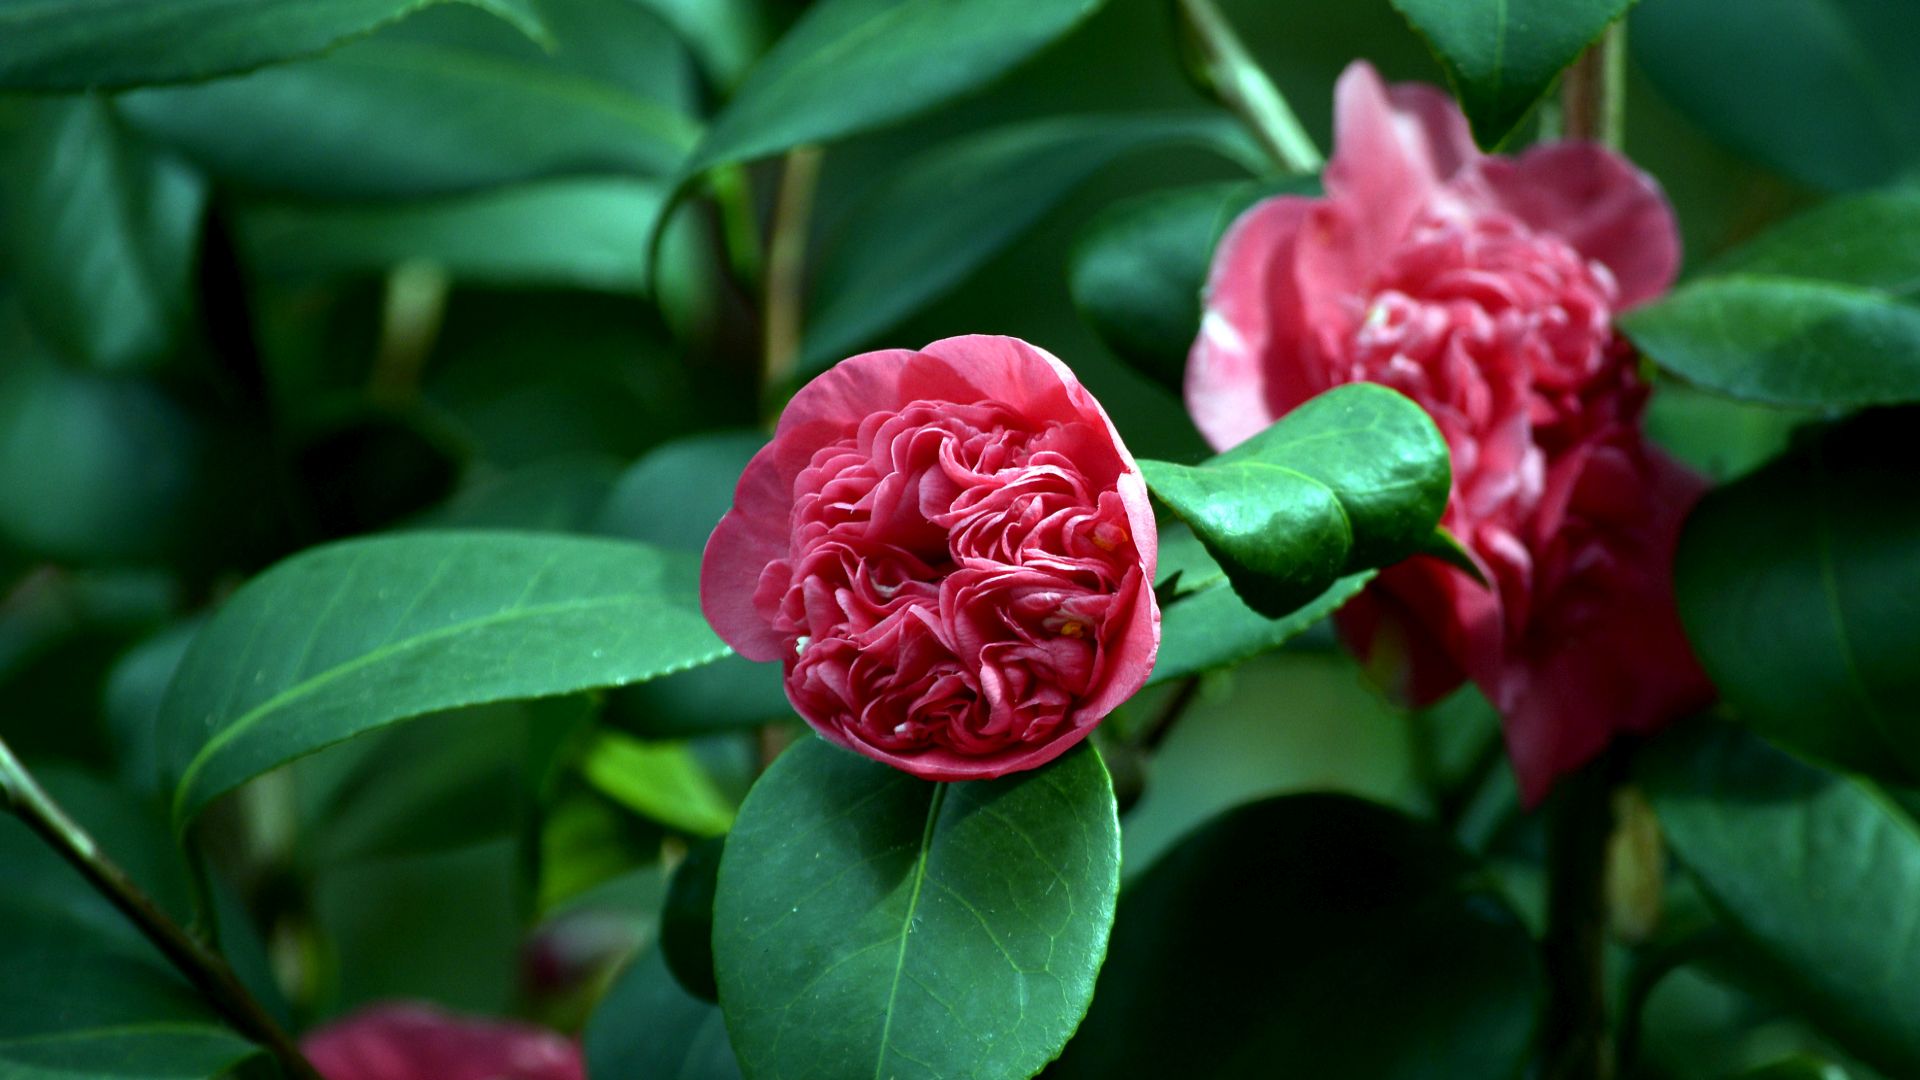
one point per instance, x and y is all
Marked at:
(1593, 91)
(1579, 822)
(1237, 80)
(786, 265)
(204, 968)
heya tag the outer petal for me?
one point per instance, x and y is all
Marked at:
(1422, 627)
(417, 1042)
(1427, 114)
(1606, 656)
(1388, 163)
(1247, 366)
(1594, 199)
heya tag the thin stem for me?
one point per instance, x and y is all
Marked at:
(1161, 725)
(786, 264)
(1579, 822)
(1240, 84)
(204, 968)
(1593, 91)
(739, 230)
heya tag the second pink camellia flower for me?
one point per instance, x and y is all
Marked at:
(952, 554)
(1483, 288)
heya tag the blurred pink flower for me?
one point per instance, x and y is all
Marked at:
(404, 1041)
(951, 552)
(1484, 288)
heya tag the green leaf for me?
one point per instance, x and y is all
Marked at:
(893, 256)
(1312, 935)
(436, 105)
(101, 234)
(1821, 310)
(1799, 1067)
(696, 477)
(1818, 872)
(686, 922)
(1354, 479)
(588, 233)
(349, 637)
(93, 467)
(659, 780)
(851, 65)
(1501, 55)
(1819, 89)
(726, 35)
(1204, 625)
(868, 921)
(1138, 268)
(89, 997)
(101, 44)
(648, 1026)
(559, 494)
(1796, 586)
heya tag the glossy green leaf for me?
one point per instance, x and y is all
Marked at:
(686, 922)
(1822, 310)
(560, 494)
(1137, 271)
(1797, 588)
(647, 1026)
(352, 636)
(1312, 935)
(871, 923)
(1818, 872)
(94, 467)
(696, 477)
(850, 65)
(87, 996)
(660, 780)
(583, 233)
(1203, 623)
(1796, 1068)
(1823, 90)
(439, 104)
(894, 256)
(1354, 479)
(726, 35)
(1501, 55)
(97, 223)
(109, 44)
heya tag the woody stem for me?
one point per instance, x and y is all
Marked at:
(204, 968)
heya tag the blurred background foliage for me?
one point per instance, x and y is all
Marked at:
(408, 284)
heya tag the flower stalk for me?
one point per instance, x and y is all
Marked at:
(209, 973)
(1232, 75)
(786, 265)
(1593, 91)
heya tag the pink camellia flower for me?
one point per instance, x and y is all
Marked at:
(951, 552)
(419, 1042)
(1484, 288)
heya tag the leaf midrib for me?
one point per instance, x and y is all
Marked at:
(313, 683)
(906, 923)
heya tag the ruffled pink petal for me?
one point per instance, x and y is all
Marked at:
(419, 1042)
(1244, 360)
(1387, 163)
(1428, 116)
(1610, 657)
(1592, 198)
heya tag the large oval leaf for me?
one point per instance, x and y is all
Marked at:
(441, 103)
(990, 187)
(1203, 623)
(1823, 310)
(850, 65)
(1312, 935)
(97, 223)
(348, 637)
(1820, 873)
(1820, 89)
(1501, 55)
(871, 923)
(1354, 479)
(1137, 271)
(647, 1026)
(87, 996)
(1800, 589)
(104, 44)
